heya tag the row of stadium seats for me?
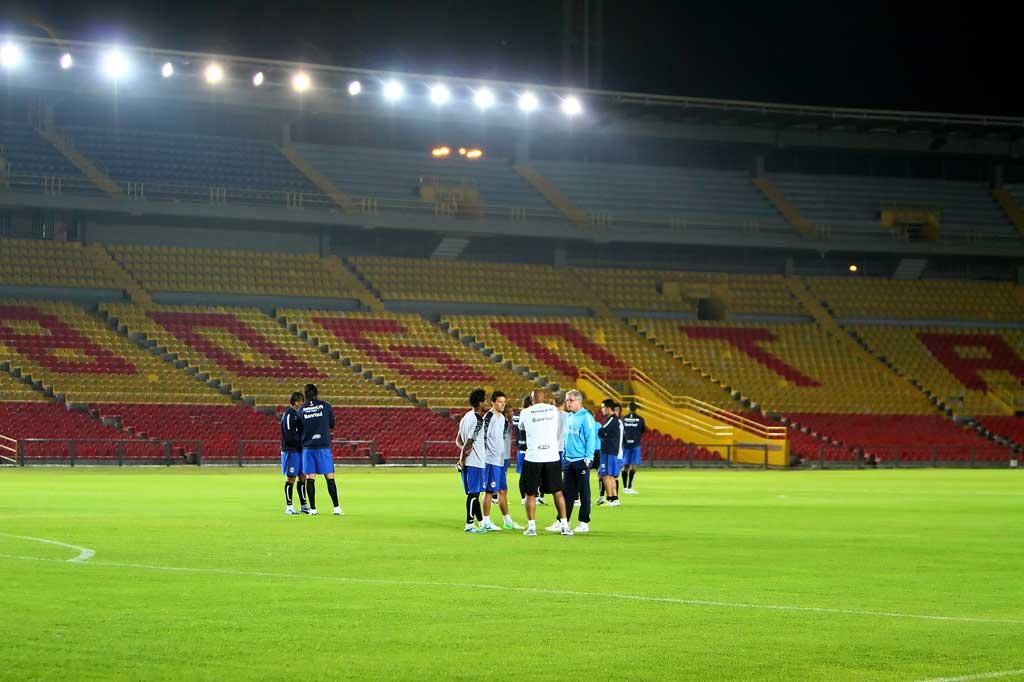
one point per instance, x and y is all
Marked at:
(30, 262)
(30, 158)
(918, 299)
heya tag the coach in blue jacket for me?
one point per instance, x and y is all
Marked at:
(580, 445)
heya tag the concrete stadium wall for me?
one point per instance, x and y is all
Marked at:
(292, 240)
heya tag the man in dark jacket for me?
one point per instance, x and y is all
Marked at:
(317, 419)
(610, 435)
(291, 455)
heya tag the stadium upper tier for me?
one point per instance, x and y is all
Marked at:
(875, 298)
(787, 367)
(235, 272)
(660, 194)
(75, 355)
(960, 367)
(849, 203)
(31, 159)
(168, 164)
(409, 352)
(247, 351)
(35, 263)
(394, 179)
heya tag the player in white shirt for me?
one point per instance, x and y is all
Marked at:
(472, 460)
(496, 449)
(541, 466)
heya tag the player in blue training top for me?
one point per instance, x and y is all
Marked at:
(611, 448)
(317, 420)
(633, 427)
(291, 455)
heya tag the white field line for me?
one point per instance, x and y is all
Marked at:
(84, 553)
(539, 590)
(979, 676)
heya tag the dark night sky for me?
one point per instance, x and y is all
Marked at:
(958, 57)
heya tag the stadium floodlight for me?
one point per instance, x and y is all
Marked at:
(483, 98)
(301, 82)
(10, 55)
(853, 267)
(393, 91)
(257, 79)
(438, 152)
(528, 102)
(115, 65)
(66, 61)
(354, 88)
(213, 73)
(167, 70)
(440, 94)
(571, 106)
(474, 153)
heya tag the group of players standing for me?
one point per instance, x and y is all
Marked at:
(558, 443)
(306, 450)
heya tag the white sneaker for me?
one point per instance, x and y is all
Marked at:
(489, 525)
(313, 512)
(470, 528)
(577, 503)
(304, 510)
(630, 491)
(600, 501)
(338, 512)
(540, 500)
(566, 530)
(290, 510)
(582, 528)
(522, 502)
(616, 503)
(530, 531)
(554, 527)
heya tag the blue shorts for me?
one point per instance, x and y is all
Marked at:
(610, 465)
(630, 454)
(495, 478)
(473, 479)
(519, 462)
(291, 464)
(317, 461)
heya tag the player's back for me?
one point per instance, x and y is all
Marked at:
(317, 421)
(541, 425)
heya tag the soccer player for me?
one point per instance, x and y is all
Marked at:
(291, 455)
(495, 473)
(581, 443)
(317, 419)
(472, 456)
(611, 444)
(521, 454)
(541, 468)
(633, 427)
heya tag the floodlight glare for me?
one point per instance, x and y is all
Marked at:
(10, 55)
(257, 79)
(483, 98)
(571, 106)
(439, 94)
(474, 153)
(115, 65)
(528, 102)
(393, 91)
(66, 61)
(301, 82)
(354, 88)
(853, 267)
(167, 70)
(438, 152)
(213, 73)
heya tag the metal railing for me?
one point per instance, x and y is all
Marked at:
(262, 450)
(10, 447)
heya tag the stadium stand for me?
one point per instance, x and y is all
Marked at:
(16, 390)
(177, 166)
(937, 300)
(407, 351)
(244, 350)
(37, 263)
(853, 204)
(33, 162)
(660, 194)
(50, 432)
(77, 358)
(394, 179)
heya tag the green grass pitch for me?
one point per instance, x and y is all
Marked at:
(198, 575)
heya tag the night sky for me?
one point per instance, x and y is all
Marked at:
(936, 57)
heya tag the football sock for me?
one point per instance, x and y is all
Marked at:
(625, 477)
(478, 511)
(332, 490)
(311, 492)
(302, 493)
(469, 509)
(288, 492)
(632, 475)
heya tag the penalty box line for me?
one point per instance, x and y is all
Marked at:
(531, 590)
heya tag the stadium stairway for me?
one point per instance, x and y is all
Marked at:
(784, 207)
(124, 279)
(321, 181)
(64, 144)
(1011, 208)
(552, 194)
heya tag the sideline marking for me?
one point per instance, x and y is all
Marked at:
(979, 676)
(84, 553)
(541, 590)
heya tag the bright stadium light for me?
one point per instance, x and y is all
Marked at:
(474, 153)
(528, 102)
(438, 152)
(167, 70)
(393, 91)
(354, 88)
(257, 79)
(853, 267)
(483, 98)
(571, 106)
(213, 73)
(115, 65)
(301, 82)
(10, 55)
(66, 61)
(440, 94)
